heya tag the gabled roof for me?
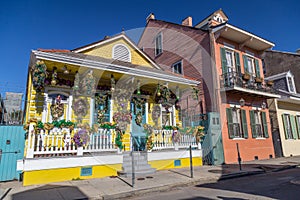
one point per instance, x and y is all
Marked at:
(110, 39)
(209, 17)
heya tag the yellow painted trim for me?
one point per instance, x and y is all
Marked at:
(68, 174)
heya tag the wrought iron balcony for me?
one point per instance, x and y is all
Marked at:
(245, 83)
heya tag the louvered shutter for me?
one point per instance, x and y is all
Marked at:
(285, 126)
(257, 69)
(252, 123)
(246, 70)
(244, 123)
(224, 61)
(229, 122)
(298, 125)
(121, 53)
(265, 124)
(293, 124)
(237, 62)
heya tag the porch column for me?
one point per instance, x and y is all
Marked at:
(174, 115)
(69, 115)
(45, 108)
(111, 112)
(92, 102)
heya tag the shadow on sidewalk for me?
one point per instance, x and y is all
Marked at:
(264, 182)
(48, 192)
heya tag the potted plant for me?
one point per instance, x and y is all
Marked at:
(246, 76)
(270, 83)
(80, 139)
(258, 79)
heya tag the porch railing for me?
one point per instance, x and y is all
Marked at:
(58, 142)
(163, 139)
(231, 79)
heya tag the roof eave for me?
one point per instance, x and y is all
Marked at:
(113, 68)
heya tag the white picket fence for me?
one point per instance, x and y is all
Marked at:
(162, 139)
(58, 142)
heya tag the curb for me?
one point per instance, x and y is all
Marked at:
(156, 189)
(6, 191)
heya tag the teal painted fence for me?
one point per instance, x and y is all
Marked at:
(12, 141)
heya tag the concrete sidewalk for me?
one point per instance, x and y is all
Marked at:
(115, 187)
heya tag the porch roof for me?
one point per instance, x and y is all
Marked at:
(112, 65)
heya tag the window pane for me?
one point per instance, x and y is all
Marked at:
(291, 84)
(229, 58)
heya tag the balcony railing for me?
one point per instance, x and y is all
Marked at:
(234, 79)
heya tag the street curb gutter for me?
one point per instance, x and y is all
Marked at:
(5, 193)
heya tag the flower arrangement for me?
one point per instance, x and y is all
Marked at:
(81, 138)
(122, 118)
(39, 74)
(199, 133)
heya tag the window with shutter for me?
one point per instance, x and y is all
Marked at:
(287, 126)
(121, 52)
(224, 61)
(237, 62)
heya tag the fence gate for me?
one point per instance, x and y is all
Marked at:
(12, 141)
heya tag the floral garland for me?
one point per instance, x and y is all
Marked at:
(39, 74)
(81, 138)
(48, 126)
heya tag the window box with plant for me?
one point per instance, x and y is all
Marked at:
(246, 76)
(258, 79)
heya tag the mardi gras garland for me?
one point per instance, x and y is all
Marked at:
(39, 75)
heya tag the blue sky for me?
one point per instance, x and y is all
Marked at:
(67, 24)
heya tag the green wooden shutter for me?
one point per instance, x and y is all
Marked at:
(285, 126)
(294, 128)
(244, 123)
(245, 64)
(224, 61)
(298, 126)
(265, 124)
(252, 123)
(230, 122)
(257, 69)
(237, 62)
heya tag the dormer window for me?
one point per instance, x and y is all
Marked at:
(177, 67)
(291, 83)
(121, 52)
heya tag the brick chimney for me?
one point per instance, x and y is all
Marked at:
(150, 16)
(187, 21)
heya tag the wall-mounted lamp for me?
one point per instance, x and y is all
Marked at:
(263, 105)
(242, 102)
(113, 82)
(65, 69)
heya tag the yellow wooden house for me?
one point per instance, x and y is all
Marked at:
(85, 106)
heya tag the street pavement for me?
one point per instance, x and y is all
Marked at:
(273, 185)
(164, 180)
